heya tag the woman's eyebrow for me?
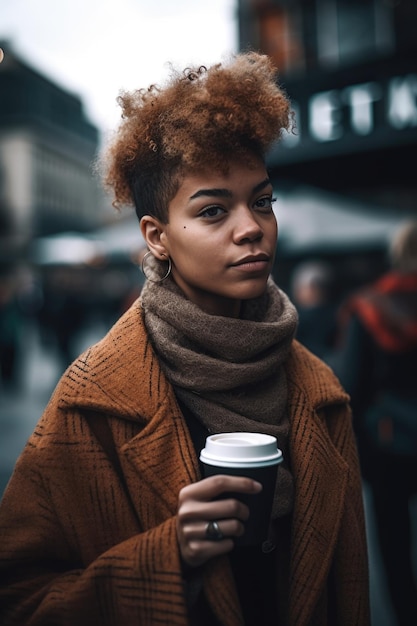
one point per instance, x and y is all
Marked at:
(223, 193)
(262, 185)
(226, 193)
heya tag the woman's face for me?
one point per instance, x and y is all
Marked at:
(221, 237)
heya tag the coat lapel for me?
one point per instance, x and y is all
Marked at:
(159, 462)
(320, 475)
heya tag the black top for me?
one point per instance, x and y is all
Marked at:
(260, 575)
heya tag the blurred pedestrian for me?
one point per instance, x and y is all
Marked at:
(107, 519)
(11, 324)
(378, 367)
(312, 288)
(63, 313)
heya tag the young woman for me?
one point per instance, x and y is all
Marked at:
(107, 519)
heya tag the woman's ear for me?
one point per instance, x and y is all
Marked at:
(152, 231)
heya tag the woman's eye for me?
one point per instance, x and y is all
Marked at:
(265, 203)
(212, 211)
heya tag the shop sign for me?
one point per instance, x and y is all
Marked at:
(356, 112)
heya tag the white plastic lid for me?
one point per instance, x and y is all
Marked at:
(241, 450)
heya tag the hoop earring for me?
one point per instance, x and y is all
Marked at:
(154, 269)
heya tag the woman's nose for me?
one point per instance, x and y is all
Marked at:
(247, 228)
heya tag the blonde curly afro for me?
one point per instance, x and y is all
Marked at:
(202, 118)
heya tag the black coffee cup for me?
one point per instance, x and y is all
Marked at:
(256, 456)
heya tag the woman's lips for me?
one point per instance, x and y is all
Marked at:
(253, 263)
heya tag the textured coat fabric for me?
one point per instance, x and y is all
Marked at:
(72, 550)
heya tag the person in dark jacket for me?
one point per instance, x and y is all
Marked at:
(312, 288)
(378, 367)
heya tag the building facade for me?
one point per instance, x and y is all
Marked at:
(47, 151)
(350, 69)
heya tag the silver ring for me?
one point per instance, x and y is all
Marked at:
(213, 532)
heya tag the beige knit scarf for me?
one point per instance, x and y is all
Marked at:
(230, 373)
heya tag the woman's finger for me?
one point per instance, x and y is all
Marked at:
(214, 486)
(194, 510)
(202, 531)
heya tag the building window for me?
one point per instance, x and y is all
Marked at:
(348, 30)
(273, 28)
(280, 37)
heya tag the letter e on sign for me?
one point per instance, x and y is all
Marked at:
(325, 116)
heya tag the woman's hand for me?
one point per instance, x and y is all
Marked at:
(197, 506)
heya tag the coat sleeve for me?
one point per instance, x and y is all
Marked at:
(70, 550)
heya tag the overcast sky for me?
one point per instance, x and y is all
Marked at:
(95, 48)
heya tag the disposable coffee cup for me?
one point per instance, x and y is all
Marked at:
(246, 454)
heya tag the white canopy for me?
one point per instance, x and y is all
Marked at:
(311, 219)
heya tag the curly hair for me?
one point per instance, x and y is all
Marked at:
(201, 118)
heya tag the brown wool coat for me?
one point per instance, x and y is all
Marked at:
(73, 552)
